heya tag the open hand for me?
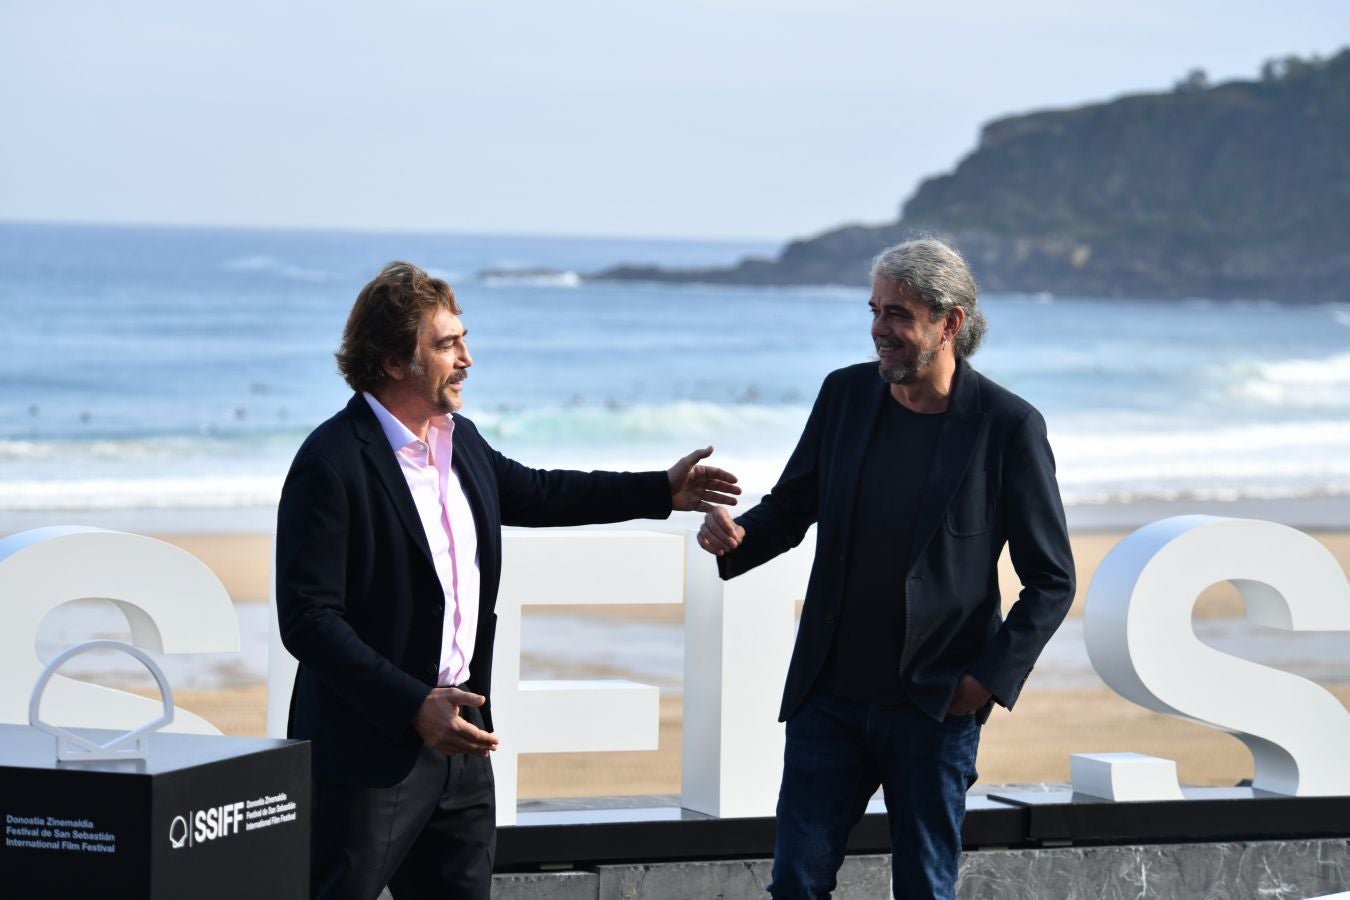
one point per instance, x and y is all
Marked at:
(443, 728)
(698, 488)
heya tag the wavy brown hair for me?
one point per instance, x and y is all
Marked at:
(386, 319)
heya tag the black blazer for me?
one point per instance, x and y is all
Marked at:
(992, 481)
(358, 599)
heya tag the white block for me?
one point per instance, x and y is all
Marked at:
(556, 566)
(1124, 777)
(583, 716)
(571, 566)
(738, 639)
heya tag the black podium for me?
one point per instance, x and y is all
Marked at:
(205, 817)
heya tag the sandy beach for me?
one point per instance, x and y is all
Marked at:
(1031, 744)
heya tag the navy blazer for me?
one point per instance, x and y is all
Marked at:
(358, 599)
(992, 481)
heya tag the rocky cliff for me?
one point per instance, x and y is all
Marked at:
(1236, 190)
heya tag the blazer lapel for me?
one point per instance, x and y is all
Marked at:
(381, 458)
(853, 439)
(474, 474)
(951, 457)
(469, 464)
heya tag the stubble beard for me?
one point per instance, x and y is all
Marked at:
(906, 371)
(442, 398)
(448, 400)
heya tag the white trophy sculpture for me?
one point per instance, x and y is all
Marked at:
(72, 747)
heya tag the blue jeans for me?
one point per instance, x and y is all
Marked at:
(838, 751)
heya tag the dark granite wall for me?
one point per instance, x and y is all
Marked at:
(1257, 870)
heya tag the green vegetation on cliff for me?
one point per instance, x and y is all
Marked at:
(1236, 190)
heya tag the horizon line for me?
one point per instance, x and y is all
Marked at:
(6, 221)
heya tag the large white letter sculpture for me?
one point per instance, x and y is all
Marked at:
(578, 567)
(737, 642)
(551, 568)
(738, 638)
(1139, 637)
(172, 602)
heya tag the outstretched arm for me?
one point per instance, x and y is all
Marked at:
(779, 522)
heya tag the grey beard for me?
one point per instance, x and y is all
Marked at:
(905, 373)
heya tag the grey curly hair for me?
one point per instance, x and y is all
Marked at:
(940, 275)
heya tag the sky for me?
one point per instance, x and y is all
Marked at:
(702, 118)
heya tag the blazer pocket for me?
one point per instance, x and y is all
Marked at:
(972, 509)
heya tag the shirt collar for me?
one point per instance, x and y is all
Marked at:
(398, 434)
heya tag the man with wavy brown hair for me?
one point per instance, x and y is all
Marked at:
(388, 563)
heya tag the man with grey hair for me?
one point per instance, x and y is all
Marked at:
(916, 480)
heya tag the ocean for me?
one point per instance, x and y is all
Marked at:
(178, 369)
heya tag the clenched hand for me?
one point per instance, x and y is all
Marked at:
(719, 533)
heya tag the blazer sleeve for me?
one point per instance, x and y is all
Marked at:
(310, 581)
(1038, 544)
(551, 497)
(780, 520)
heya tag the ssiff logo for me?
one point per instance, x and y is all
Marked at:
(207, 825)
(178, 832)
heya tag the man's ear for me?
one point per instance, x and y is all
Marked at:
(956, 316)
(394, 367)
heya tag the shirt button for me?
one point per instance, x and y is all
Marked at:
(829, 618)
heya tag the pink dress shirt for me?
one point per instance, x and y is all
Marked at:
(449, 526)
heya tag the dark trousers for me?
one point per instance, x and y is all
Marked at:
(431, 835)
(838, 751)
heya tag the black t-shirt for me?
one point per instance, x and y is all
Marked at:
(864, 661)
